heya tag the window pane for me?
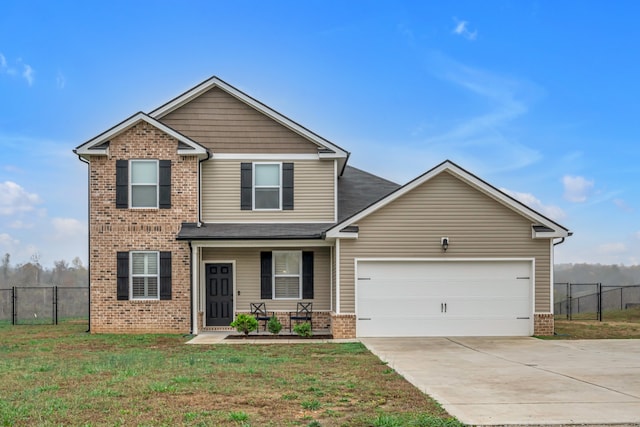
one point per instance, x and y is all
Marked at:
(144, 263)
(138, 287)
(145, 287)
(267, 175)
(287, 287)
(287, 263)
(144, 172)
(144, 196)
(267, 198)
(152, 287)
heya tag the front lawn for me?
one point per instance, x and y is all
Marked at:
(60, 375)
(615, 324)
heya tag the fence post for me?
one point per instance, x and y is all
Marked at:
(13, 305)
(600, 302)
(55, 305)
(570, 311)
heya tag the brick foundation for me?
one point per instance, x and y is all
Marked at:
(543, 324)
(343, 325)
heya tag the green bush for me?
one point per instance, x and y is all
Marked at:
(303, 329)
(245, 323)
(274, 326)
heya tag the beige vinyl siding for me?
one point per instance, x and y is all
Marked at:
(225, 124)
(314, 199)
(247, 274)
(477, 227)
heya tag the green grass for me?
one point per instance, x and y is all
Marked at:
(616, 324)
(60, 375)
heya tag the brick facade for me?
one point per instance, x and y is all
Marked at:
(543, 324)
(113, 230)
(343, 325)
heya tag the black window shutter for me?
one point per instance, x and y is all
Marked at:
(307, 275)
(165, 275)
(246, 186)
(287, 186)
(123, 275)
(122, 184)
(165, 184)
(265, 275)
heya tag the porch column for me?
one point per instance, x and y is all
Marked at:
(195, 288)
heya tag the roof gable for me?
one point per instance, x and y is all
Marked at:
(326, 149)
(543, 227)
(99, 145)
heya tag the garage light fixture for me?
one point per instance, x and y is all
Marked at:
(444, 241)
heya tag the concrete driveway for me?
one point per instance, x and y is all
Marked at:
(502, 381)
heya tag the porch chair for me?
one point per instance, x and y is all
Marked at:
(259, 311)
(302, 313)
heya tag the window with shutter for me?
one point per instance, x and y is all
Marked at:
(144, 184)
(287, 269)
(145, 275)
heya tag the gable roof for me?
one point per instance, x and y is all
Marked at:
(543, 227)
(326, 149)
(99, 145)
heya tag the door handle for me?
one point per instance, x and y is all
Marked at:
(445, 307)
(441, 308)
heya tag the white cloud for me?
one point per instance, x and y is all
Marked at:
(3, 62)
(60, 80)
(21, 225)
(550, 211)
(68, 227)
(28, 74)
(612, 248)
(576, 188)
(14, 199)
(622, 205)
(6, 241)
(462, 29)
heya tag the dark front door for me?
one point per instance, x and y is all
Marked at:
(219, 278)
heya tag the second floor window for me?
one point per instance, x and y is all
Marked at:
(144, 183)
(267, 185)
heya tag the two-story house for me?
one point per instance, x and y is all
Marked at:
(214, 201)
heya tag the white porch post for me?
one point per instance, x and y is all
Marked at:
(195, 296)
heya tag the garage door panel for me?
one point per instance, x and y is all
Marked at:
(432, 298)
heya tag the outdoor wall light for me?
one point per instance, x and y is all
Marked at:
(444, 241)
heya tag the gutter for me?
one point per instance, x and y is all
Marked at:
(83, 160)
(562, 239)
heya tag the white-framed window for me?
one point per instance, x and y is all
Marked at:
(143, 184)
(267, 186)
(287, 274)
(145, 275)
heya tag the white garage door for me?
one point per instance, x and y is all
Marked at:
(435, 298)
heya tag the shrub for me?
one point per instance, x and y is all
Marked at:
(274, 326)
(303, 329)
(245, 323)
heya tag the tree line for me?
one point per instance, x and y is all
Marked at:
(33, 273)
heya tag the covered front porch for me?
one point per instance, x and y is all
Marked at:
(229, 275)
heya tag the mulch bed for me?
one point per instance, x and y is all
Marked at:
(277, 337)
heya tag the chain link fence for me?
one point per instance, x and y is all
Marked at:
(38, 305)
(587, 301)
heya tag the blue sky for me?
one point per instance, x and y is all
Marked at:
(538, 98)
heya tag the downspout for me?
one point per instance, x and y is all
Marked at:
(88, 236)
(191, 289)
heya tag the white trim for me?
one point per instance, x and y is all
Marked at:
(86, 149)
(203, 290)
(328, 222)
(338, 276)
(253, 186)
(195, 291)
(260, 243)
(331, 308)
(263, 156)
(205, 86)
(157, 183)
(273, 275)
(335, 191)
(467, 177)
(145, 275)
(410, 259)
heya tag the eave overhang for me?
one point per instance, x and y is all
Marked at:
(99, 146)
